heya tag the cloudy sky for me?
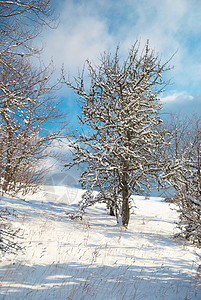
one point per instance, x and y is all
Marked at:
(87, 28)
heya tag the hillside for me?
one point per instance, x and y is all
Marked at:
(94, 258)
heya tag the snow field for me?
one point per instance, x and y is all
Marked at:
(94, 258)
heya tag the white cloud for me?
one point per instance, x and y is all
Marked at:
(81, 34)
(61, 147)
(177, 97)
(88, 28)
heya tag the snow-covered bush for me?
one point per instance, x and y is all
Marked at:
(9, 236)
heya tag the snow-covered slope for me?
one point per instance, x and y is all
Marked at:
(94, 258)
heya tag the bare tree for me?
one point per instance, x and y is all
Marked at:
(124, 144)
(185, 150)
(21, 21)
(27, 109)
(27, 95)
(29, 118)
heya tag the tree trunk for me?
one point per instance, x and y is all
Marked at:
(125, 203)
(112, 211)
(7, 172)
(7, 177)
(125, 207)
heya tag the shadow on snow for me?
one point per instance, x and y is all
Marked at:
(82, 281)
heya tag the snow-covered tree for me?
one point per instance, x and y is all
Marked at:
(123, 147)
(185, 150)
(27, 111)
(21, 21)
(27, 95)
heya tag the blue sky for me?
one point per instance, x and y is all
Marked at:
(87, 28)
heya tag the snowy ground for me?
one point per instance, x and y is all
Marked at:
(94, 258)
